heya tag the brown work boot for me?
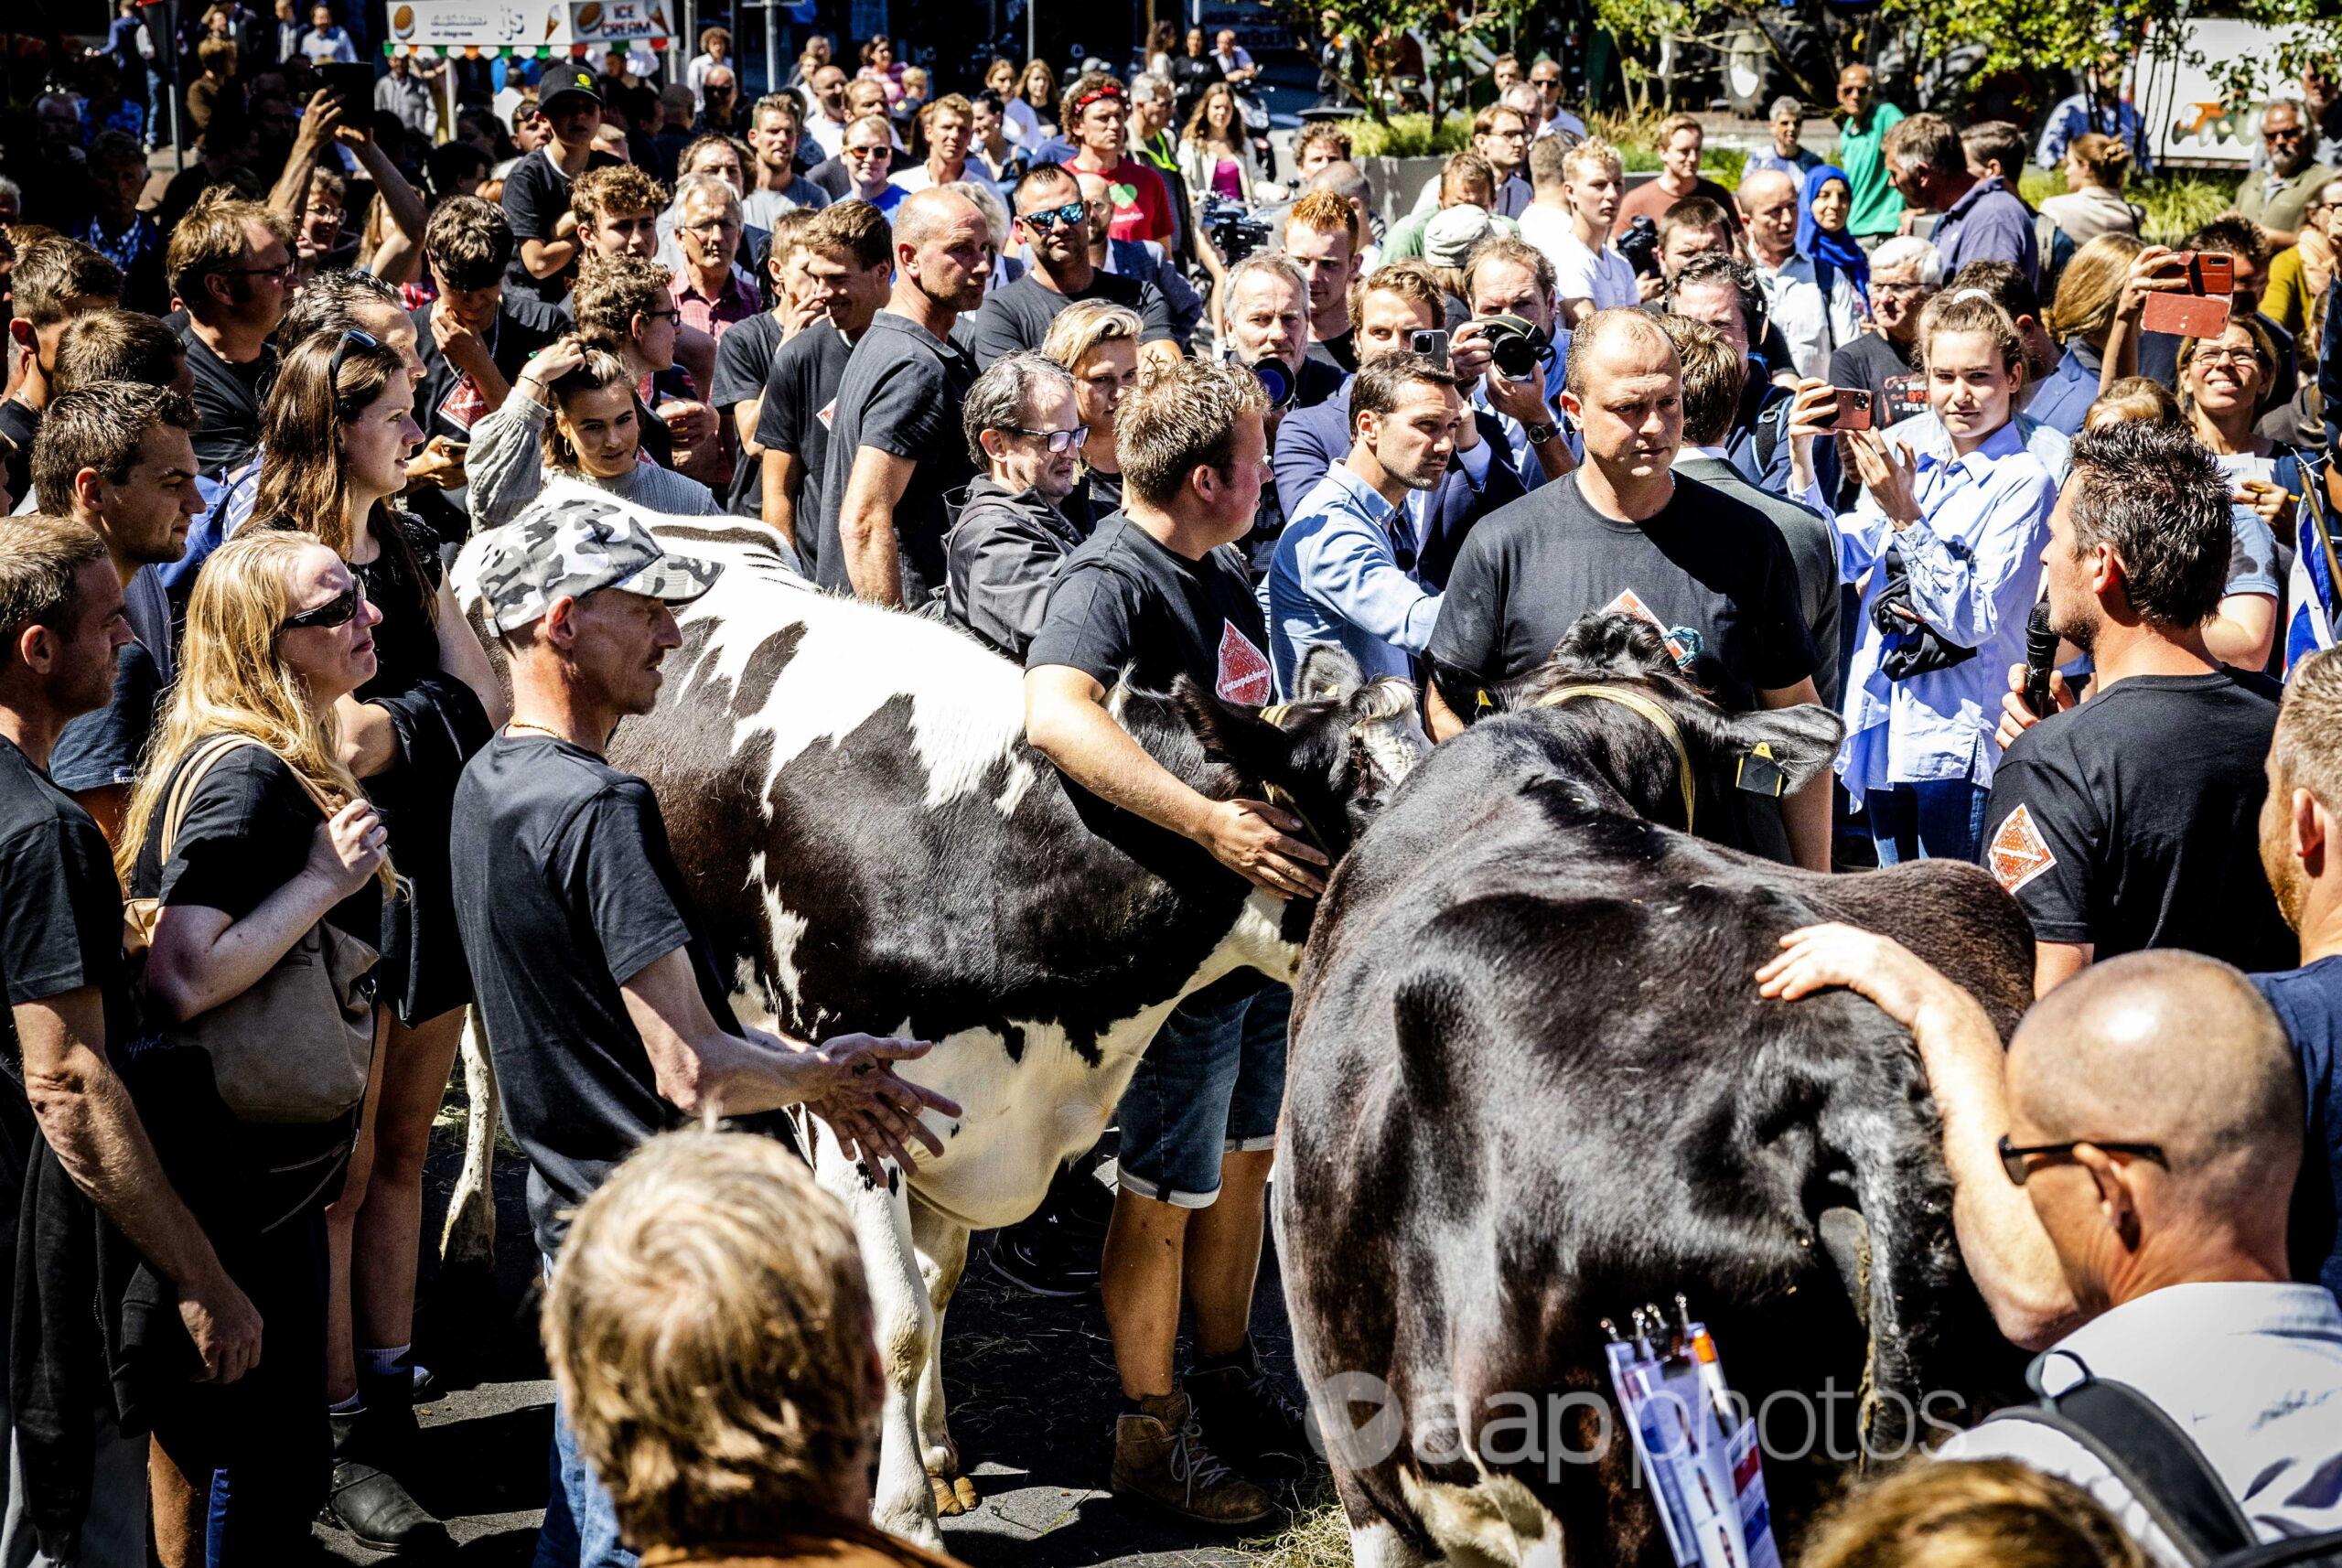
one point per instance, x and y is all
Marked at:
(1159, 1455)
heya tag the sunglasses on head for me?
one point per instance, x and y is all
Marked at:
(338, 610)
(350, 339)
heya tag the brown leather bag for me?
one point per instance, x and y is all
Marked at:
(295, 1046)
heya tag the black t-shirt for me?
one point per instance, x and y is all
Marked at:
(19, 424)
(800, 400)
(566, 889)
(1712, 571)
(902, 393)
(1018, 315)
(1897, 387)
(60, 914)
(2133, 820)
(536, 193)
(246, 832)
(1124, 601)
(744, 357)
(446, 403)
(1339, 352)
(227, 404)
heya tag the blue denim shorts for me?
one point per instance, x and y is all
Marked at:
(1210, 1085)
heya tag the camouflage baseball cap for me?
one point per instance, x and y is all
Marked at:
(564, 548)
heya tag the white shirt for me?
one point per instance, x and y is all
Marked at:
(825, 132)
(1579, 271)
(2251, 1372)
(1813, 328)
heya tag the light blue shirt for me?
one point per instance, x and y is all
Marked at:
(1925, 435)
(1973, 564)
(2075, 117)
(1522, 456)
(1335, 577)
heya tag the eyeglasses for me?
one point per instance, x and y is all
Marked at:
(1048, 217)
(1897, 289)
(662, 316)
(2227, 357)
(280, 272)
(880, 151)
(2288, 133)
(338, 610)
(2014, 1157)
(1058, 440)
(351, 339)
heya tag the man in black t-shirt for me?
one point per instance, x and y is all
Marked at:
(231, 267)
(846, 252)
(69, 1006)
(118, 458)
(56, 282)
(1154, 593)
(473, 340)
(896, 449)
(605, 1011)
(1626, 532)
(2132, 821)
(536, 193)
(1053, 222)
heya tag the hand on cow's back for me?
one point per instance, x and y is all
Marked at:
(850, 1082)
(1816, 958)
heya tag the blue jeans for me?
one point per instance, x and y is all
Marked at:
(272, 1450)
(1209, 1086)
(580, 1529)
(1941, 819)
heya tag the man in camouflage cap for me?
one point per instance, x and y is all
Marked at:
(605, 1011)
(566, 548)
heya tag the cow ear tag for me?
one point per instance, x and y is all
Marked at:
(1759, 774)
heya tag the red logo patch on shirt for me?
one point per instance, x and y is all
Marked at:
(829, 412)
(463, 404)
(1243, 670)
(2018, 851)
(1681, 642)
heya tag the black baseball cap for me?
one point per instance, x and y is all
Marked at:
(566, 83)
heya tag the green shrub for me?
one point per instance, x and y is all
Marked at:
(1408, 136)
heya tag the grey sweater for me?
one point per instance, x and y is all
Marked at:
(506, 469)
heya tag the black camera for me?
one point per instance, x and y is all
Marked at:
(1518, 348)
(1236, 231)
(1640, 245)
(1276, 378)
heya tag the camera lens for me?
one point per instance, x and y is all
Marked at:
(1513, 354)
(1276, 378)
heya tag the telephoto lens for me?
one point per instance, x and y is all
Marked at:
(1277, 379)
(1518, 348)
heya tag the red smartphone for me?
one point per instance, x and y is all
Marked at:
(1853, 411)
(2186, 315)
(2211, 272)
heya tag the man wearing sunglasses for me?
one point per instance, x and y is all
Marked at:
(1053, 221)
(2278, 196)
(868, 162)
(1024, 428)
(2121, 1181)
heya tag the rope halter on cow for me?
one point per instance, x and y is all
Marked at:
(1661, 720)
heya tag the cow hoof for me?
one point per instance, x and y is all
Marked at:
(954, 1495)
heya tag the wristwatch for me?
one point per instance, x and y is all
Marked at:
(1541, 434)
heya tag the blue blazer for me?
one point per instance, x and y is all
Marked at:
(1312, 440)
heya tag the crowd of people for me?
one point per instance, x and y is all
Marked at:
(1844, 431)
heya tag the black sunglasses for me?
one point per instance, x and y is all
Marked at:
(1048, 217)
(2014, 1157)
(338, 610)
(350, 339)
(1058, 440)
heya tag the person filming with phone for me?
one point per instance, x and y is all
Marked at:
(1949, 541)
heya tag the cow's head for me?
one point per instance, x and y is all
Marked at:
(1772, 752)
(1331, 756)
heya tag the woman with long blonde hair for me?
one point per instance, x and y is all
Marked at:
(2082, 316)
(337, 432)
(271, 840)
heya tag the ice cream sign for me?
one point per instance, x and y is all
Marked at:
(594, 21)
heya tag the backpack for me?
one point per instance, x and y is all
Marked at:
(2160, 1464)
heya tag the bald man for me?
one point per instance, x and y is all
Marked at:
(1817, 315)
(895, 447)
(2301, 851)
(2119, 1186)
(1626, 531)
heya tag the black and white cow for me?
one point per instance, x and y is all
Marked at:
(1531, 1084)
(873, 846)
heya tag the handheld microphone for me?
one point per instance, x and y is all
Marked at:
(2040, 657)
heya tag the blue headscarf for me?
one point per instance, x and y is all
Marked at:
(1831, 252)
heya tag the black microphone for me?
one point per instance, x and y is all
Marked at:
(2040, 657)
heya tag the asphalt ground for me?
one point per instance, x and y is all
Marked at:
(1030, 1381)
